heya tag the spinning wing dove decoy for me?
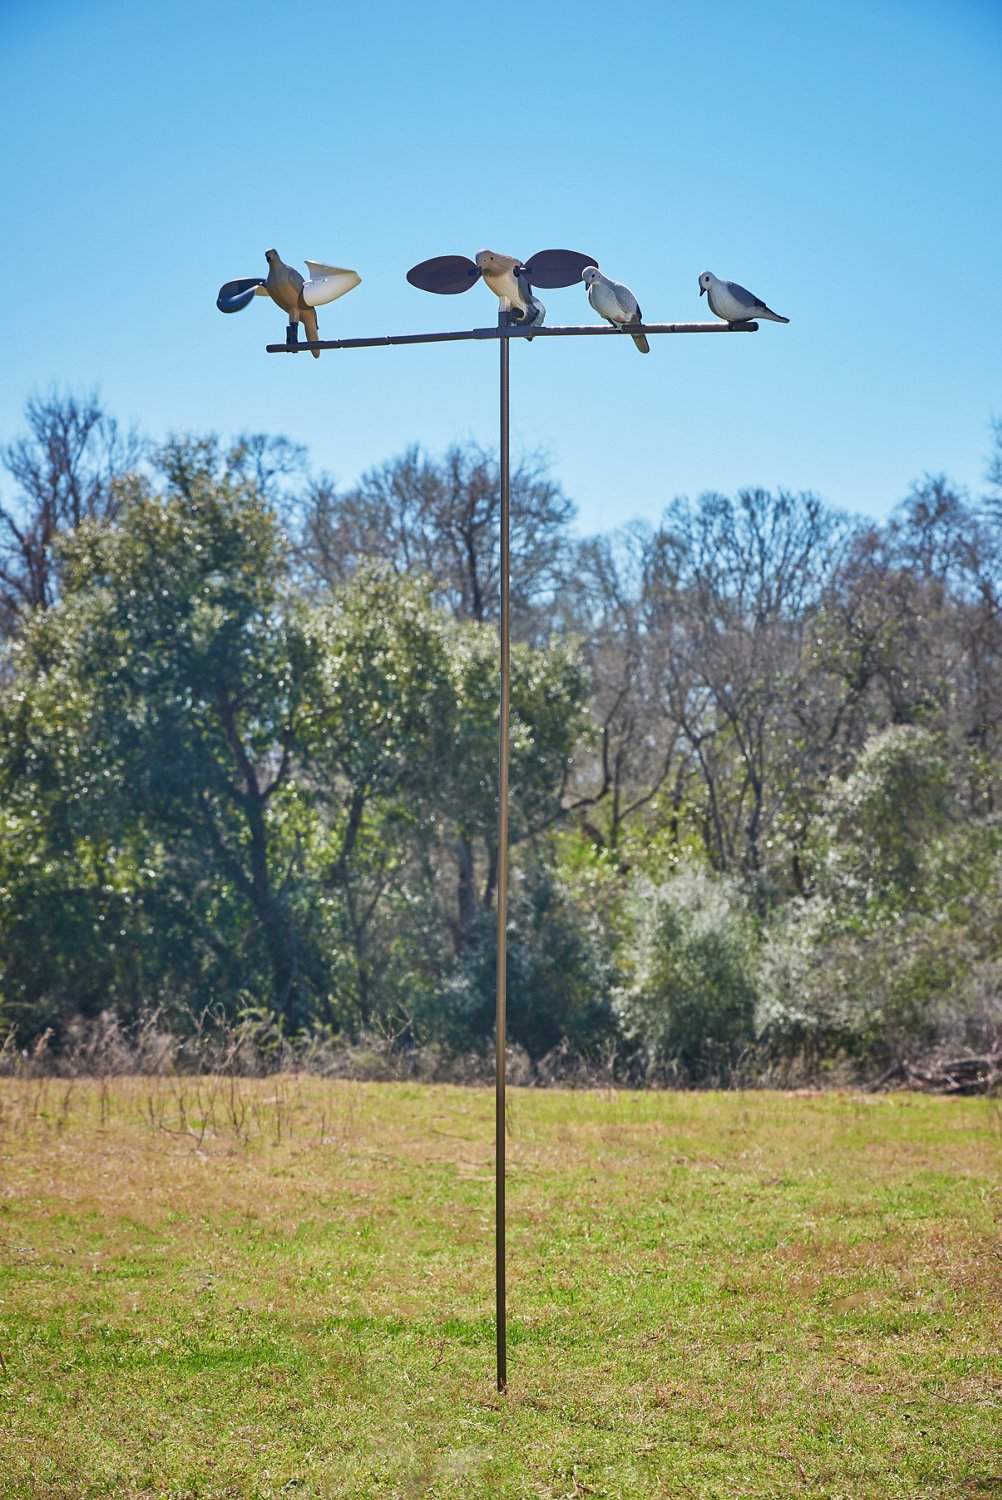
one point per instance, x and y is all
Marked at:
(448, 275)
(506, 277)
(734, 303)
(286, 287)
(615, 303)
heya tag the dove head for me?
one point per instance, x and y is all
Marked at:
(489, 260)
(590, 275)
(706, 281)
(271, 256)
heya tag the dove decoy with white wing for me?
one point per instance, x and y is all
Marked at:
(291, 292)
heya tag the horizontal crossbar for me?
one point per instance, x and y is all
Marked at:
(587, 330)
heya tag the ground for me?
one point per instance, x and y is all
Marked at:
(216, 1288)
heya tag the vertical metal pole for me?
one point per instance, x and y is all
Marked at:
(502, 882)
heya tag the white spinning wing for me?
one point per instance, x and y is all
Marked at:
(327, 283)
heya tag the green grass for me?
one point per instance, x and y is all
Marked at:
(285, 1288)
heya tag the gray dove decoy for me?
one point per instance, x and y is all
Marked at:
(734, 303)
(286, 287)
(503, 274)
(614, 302)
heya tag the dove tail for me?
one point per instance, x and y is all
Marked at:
(312, 330)
(773, 317)
(640, 339)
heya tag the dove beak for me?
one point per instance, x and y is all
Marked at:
(702, 291)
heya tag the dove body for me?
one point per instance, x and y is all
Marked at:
(734, 303)
(615, 303)
(502, 275)
(284, 285)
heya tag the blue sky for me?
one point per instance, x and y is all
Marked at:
(843, 161)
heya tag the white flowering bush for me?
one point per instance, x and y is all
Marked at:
(688, 1001)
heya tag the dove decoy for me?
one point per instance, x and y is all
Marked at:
(734, 303)
(615, 303)
(505, 275)
(287, 288)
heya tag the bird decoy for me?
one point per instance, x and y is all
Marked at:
(615, 303)
(506, 275)
(734, 303)
(285, 286)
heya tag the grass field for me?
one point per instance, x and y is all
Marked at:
(284, 1288)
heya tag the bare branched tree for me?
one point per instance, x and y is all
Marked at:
(440, 518)
(65, 470)
(994, 471)
(637, 753)
(276, 466)
(732, 589)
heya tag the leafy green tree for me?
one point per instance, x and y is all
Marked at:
(409, 765)
(154, 721)
(548, 697)
(222, 794)
(380, 725)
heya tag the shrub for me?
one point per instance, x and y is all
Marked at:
(689, 1006)
(559, 979)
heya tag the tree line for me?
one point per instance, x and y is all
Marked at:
(248, 758)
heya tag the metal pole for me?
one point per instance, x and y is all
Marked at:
(504, 333)
(587, 330)
(502, 883)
